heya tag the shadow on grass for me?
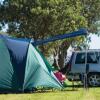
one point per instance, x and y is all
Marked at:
(68, 88)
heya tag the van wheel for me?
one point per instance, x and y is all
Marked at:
(94, 79)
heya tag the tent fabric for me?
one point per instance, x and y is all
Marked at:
(18, 58)
(45, 60)
(40, 73)
(22, 67)
(6, 69)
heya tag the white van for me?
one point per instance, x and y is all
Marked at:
(78, 66)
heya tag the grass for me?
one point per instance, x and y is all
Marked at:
(67, 94)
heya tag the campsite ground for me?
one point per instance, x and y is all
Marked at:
(67, 94)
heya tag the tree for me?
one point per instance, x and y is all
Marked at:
(91, 11)
(40, 19)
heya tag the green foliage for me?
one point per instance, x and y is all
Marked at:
(91, 11)
(40, 19)
(44, 17)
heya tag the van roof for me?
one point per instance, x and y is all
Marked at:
(89, 50)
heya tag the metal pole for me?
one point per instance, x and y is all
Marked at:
(86, 69)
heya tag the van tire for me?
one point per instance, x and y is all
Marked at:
(93, 79)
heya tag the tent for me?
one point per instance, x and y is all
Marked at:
(22, 67)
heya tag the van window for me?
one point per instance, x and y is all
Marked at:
(97, 55)
(80, 58)
(91, 57)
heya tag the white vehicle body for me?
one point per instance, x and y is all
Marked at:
(79, 62)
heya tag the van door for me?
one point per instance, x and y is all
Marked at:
(92, 61)
(79, 65)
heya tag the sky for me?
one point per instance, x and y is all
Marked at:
(95, 42)
(1, 1)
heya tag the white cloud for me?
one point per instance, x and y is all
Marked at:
(95, 42)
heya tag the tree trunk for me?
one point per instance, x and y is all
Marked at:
(62, 53)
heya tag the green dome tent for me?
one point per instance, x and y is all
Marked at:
(22, 67)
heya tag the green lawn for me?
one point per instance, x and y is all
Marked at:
(67, 94)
